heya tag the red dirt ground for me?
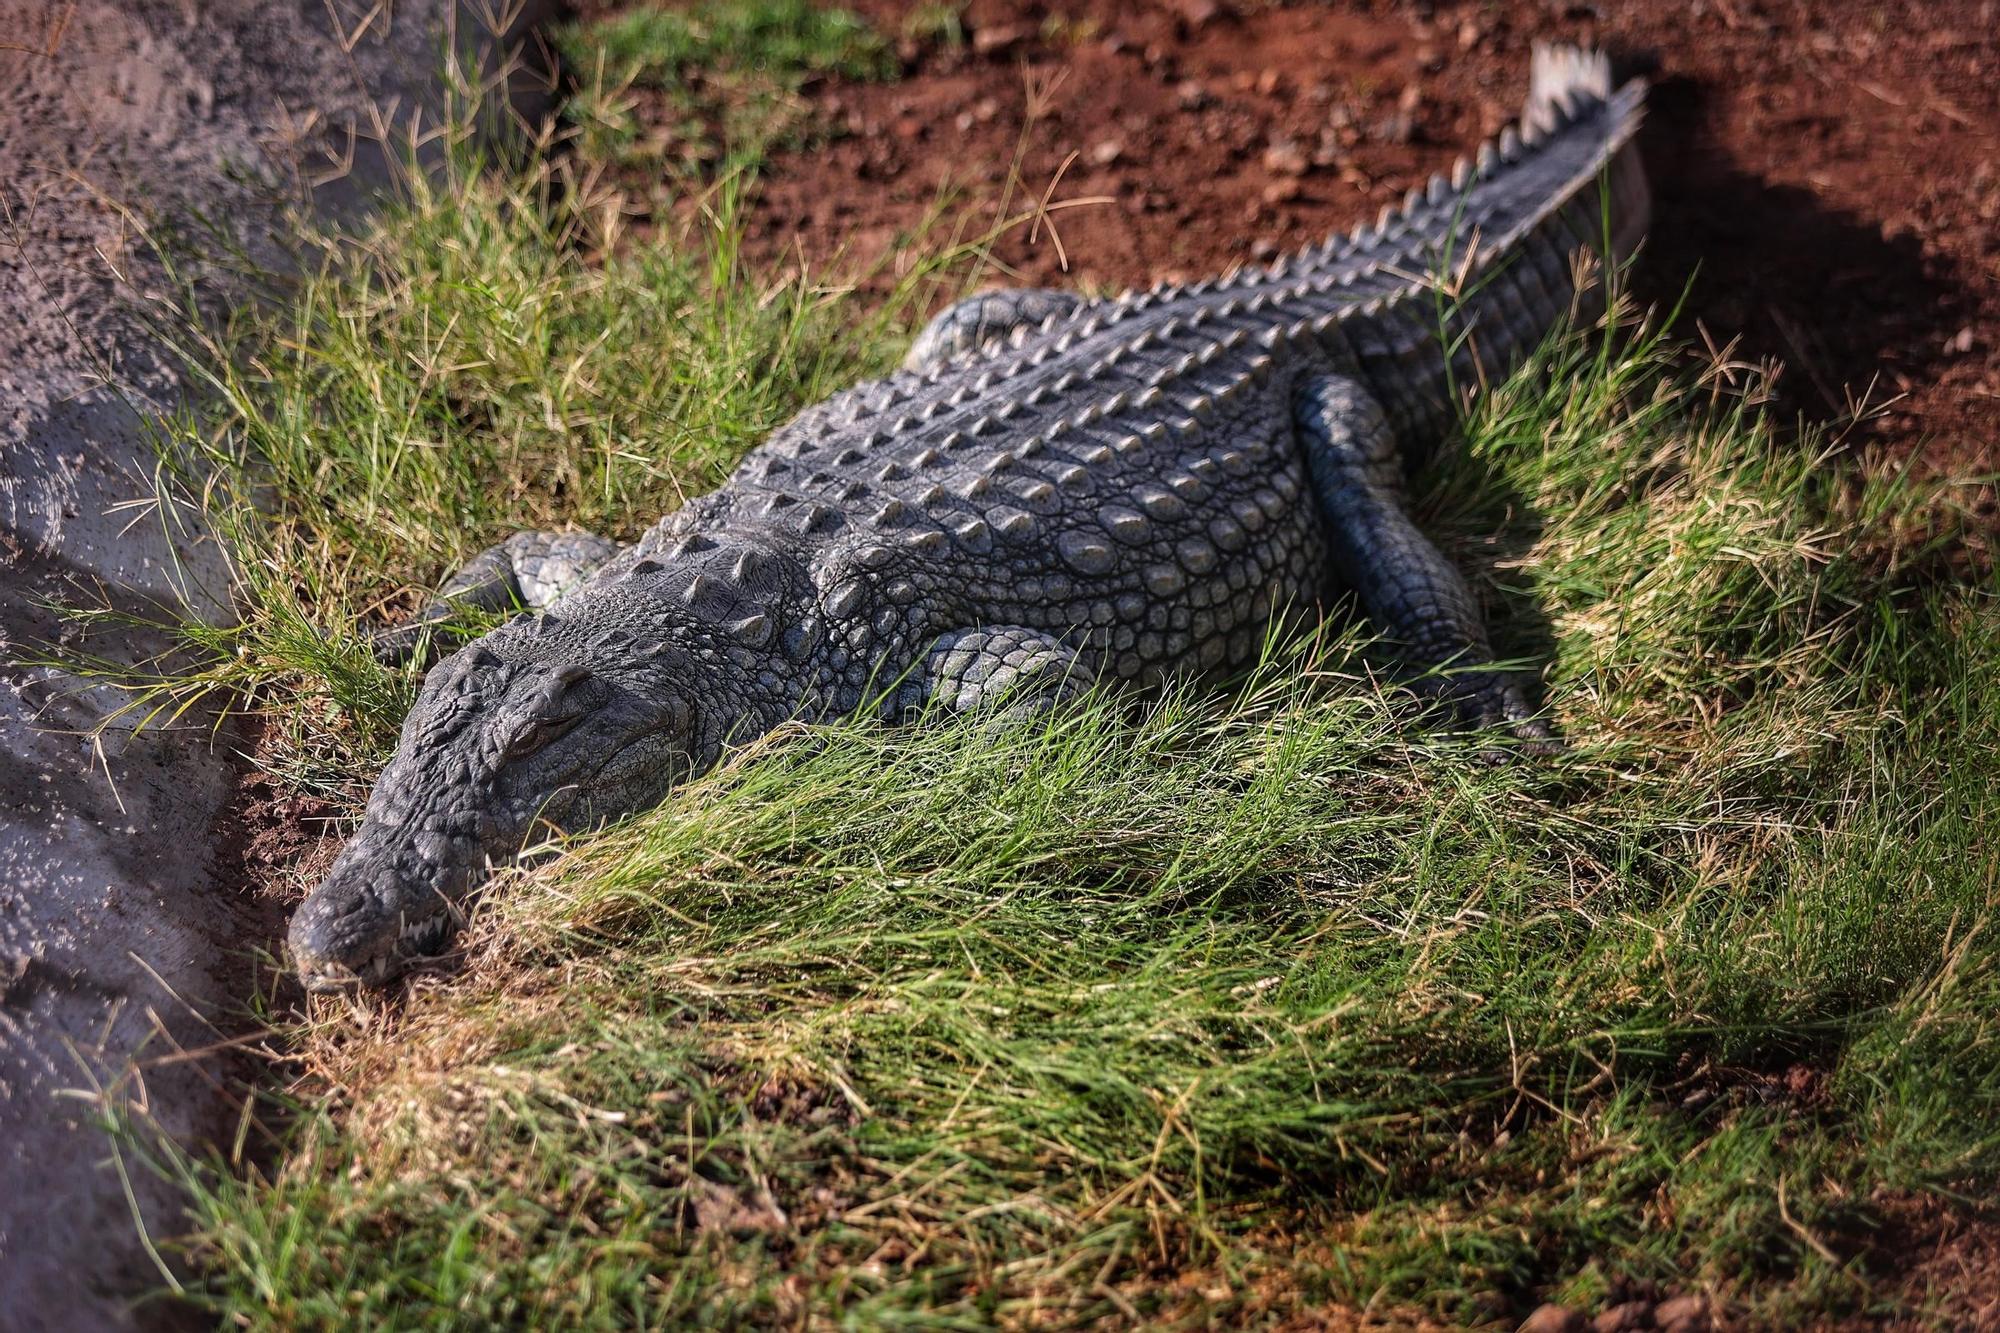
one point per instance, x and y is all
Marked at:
(1826, 172)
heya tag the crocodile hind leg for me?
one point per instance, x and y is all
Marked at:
(1015, 672)
(529, 569)
(983, 321)
(1420, 604)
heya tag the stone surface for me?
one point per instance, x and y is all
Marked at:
(121, 933)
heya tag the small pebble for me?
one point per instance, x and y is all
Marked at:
(1286, 158)
(1624, 1318)
(1553, 1318)
(1683, 1314)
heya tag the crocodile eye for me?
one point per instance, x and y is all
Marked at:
(557, 707)
(538, 734)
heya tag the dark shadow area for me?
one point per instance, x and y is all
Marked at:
(1842, 306)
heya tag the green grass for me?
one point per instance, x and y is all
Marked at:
(1201, 1008)
(730, 71)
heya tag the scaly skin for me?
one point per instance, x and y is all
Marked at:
(1055, 491)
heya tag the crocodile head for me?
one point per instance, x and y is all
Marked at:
(501, 741)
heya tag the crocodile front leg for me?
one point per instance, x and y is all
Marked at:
(984, 321)
(1405, 585)
(1012, 671)
(529, 569)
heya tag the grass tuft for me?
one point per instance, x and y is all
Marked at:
(730, 71)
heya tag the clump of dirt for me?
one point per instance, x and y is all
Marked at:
(1825, 175)
(1940, 1256)
(272, 834)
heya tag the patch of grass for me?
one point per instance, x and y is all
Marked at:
(730, 72)
(1211, 1007)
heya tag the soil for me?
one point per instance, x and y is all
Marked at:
(1827, 175)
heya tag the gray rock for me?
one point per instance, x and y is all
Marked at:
(120, 933)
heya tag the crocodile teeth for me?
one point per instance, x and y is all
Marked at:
(1510, 144)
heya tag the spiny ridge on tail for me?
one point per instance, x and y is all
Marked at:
(1572, 111)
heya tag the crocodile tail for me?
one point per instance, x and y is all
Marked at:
(1570, 84)
(1558, 78)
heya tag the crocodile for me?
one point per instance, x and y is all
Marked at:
(1053, 491)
